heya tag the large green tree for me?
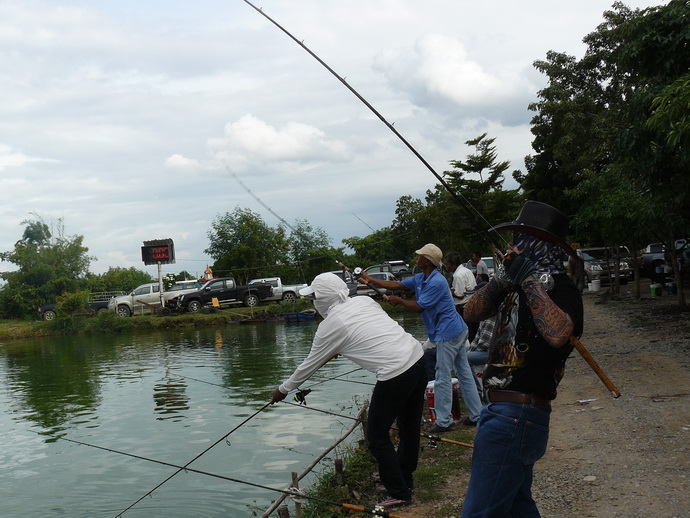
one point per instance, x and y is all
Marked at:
(242, 245)
(47, 264)
(119, 279)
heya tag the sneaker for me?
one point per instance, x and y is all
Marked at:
(468, 422)
(440, 429)
(389, 502)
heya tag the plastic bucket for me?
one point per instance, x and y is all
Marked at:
(655, 289)
(596, 285)
(455, 405)
(590, 287)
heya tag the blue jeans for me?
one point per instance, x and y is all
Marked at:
(510, 438)
(477, 358)
(452, 354)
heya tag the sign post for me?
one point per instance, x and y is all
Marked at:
(159, 251)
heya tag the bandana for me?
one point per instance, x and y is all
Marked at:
(547, 257)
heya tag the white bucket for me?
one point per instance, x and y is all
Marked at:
(596, 285)
(590, 287)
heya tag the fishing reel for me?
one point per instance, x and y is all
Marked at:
(301, 396)
(357, 272)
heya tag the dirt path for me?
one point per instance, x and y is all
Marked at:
(627, 457)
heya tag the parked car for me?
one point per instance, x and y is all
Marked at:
(143, 299)
(286, 292)
(349, 280)
(600, 264)
(489, 265)
(224, 292)
(654, 255)
(363, 289)
(97, 302)
(399, 269)
(179, 288)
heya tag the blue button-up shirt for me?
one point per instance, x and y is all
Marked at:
(440, 317)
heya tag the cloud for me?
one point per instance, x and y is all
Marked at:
(438, 74)
(251, 140)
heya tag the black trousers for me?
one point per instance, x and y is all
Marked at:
(400, 399)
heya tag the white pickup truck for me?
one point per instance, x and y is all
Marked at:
(288, 293)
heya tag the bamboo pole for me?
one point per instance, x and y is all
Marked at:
(311, 466)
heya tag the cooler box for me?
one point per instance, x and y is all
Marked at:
(455, 405)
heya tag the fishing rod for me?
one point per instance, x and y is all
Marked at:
(292, 493)
(186, 466)
(471, 211)
(433, 439)
(474, 214)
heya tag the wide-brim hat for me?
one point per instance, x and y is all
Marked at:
(541, 221)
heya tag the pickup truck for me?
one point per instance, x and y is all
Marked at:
(226, 292)
(286, 292)
(146, 298)
(97, 302)
(654, 255)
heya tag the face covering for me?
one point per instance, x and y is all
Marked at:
(547, 257)
(330, 290)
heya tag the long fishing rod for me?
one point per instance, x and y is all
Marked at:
(186, 468)
(473, 213)
(433, 439)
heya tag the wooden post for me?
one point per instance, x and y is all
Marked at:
(298, 504)
(283, 512)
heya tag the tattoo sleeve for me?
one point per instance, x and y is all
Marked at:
(483, 304)
(553, 324)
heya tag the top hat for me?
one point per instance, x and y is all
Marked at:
(541, 221)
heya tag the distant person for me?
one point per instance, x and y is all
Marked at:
(360, 330)
(463, 281)
(527, 355)
(445, 328)
(479, 264)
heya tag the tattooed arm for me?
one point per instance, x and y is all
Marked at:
(483, 304)
(552, 323)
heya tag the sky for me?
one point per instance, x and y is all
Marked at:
(128, 121)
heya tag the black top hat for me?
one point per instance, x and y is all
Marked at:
(541, 221)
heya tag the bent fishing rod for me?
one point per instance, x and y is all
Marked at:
(288, 492)
(473, 213)
(300, 401)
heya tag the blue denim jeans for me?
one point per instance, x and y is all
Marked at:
(510, 438)
(452, 354)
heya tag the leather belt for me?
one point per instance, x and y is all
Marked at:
(508, 396)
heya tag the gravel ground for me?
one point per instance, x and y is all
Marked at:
(617, 458)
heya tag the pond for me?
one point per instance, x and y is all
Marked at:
(166, 397)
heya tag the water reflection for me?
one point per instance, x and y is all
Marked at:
(138, 394)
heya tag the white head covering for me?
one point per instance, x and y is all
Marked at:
(329, 290)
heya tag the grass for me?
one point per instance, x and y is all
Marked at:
(109, 323)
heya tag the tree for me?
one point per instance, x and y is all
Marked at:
(119, 279)
(243, 245)
(48, 264)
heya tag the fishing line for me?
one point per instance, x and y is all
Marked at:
(464, 203)
(432, 438)
(186, 468)
(195, 458)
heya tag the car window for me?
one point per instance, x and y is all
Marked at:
(142, 290)
(489, 262)
(216, 285)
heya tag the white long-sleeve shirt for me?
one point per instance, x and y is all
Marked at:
(361, 331)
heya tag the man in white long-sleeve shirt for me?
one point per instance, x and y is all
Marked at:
(358, 329)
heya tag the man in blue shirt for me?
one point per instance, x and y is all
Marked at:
(446, 329)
